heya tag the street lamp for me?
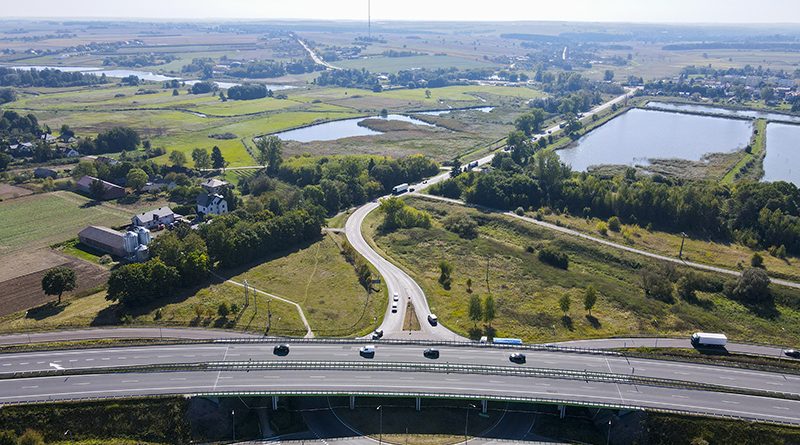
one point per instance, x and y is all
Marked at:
(608, 437)
(466, 421)
(233, 424)
(380, 436)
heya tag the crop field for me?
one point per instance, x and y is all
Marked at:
(385, 64)
(527, 291)
(41, 220)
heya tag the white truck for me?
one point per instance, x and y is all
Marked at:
(706, 339)
(400, 189)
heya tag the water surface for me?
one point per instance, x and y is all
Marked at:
(345, 128)
(782, 162)
(753, 114)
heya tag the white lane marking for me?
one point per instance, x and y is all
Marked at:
(30, 387)
(81, 383)
(130, 381)
(678, 396)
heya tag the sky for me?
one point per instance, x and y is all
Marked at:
(650, 11)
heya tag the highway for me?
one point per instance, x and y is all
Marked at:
(89, 359)
(398, 383)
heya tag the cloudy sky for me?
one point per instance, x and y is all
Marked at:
(661, 11)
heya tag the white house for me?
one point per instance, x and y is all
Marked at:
(211, 204)
(213, 185)
(151, 219)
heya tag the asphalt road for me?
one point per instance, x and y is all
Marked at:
(89, 359)
(121, 333)
(370, 382)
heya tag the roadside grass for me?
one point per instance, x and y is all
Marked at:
(196, 308)
(49, 218)
(696, 248)
(340, 219)
(324, 284)
(527, 291)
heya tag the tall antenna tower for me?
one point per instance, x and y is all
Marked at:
(369, 19)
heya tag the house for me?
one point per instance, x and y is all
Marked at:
(49, 138)
(157, 186)
(129, 245)
(108, 161)
(112, 191)
(154, 218)
(213, 185)
(42, 172)
(211, 204)
(72, 153)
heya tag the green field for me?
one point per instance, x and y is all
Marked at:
(383, 64)
(44, 219)
(527, 291)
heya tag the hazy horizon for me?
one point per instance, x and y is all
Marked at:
(718, 12)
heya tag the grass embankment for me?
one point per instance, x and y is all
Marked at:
(527, 291)
(696, 248)
(720, 356)
(157, 420)
(751, 164)
(316, 276)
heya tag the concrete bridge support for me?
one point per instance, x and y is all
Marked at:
(352, 402)
(562, 411)
(419, 403)
(484, 406)
(274, 403)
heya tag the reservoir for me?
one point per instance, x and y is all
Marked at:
(782, 162)
(345, 128)
(639, 135)
(754, 114)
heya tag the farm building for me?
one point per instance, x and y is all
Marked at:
(211, 204)
(153, 218)
(213, 185)
(112, 191)
(42, 172)
(130, 245)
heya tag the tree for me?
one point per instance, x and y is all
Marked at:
(175, 92)
(614, 224)
(31, 437)
(530, 123)
(117, 139)
(58, 280)
(84, 168)
(223, 311)
(469, 285)
(217, 160)
(657, 285)
(455, 170)
(757, 260)
(136, 178)
(97, 189)
(427, 94)
(684, 287)
(177, 158)
(488, 309)
(7, 437)
(475, 309)
(608, 75)
(564, 303)
(201, 158)
(445, 274)
(270, 152)
(589, 299)
(4, 161)
(66, 133)
(752, 286)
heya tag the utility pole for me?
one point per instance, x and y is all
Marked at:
(487, 276)
(269, 315)
(246, 299)
(466, 422)
(380, 436)
(683, 238)
(233, 424)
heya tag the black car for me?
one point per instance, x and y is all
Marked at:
(431, 353)
(517, 357)
(281, 350)
(793, 353)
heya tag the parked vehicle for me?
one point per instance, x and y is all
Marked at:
(706, 339)
(400, 189)
(793, 353)
(431, 353)
(367, 351)
(377, 333)
(433, 319)
(281, 350)
(517, 357)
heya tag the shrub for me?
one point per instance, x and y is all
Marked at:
(519, 211)
(614, 224)
(553, 257)
(602, 228)
(757, 260)
(463, 225)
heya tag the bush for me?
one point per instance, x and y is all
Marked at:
(614, 224)
(757, 260)
(519, 211)
(463, 225)
(752, 286)
(602, 228)
(656, 284)
(553, 257)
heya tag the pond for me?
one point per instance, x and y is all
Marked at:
(345, 128)
(723, 111)
(441, 112)
(639, 135)
(782, 162)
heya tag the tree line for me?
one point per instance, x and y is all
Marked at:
(51, 78)
(755, 214)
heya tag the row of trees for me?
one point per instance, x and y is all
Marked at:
(110, 141)
(202, 160)
(50, 78)
(248, 92)
(755, 214)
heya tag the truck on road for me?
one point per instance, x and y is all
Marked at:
(501, 341)
(400, 189)
(706, 339)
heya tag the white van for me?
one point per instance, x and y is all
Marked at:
(433, 319)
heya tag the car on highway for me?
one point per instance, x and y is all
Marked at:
(517, 357)
(396, 297)
(431, 353)
(394, 307)
(793, 353)
(433, 319)
(367, 351)
(281, 350)
(377, 333)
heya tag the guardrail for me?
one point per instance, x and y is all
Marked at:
(442, 368)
